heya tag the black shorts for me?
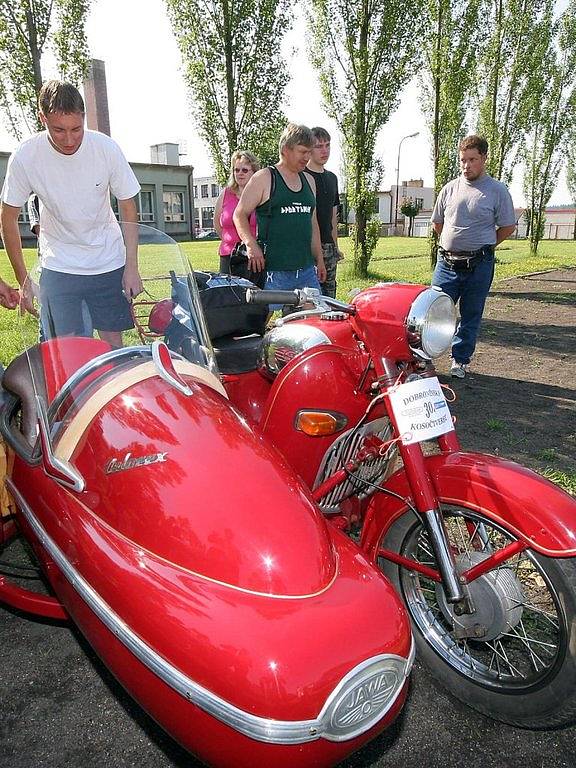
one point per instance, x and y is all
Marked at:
(62, 295)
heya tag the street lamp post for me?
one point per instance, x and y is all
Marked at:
(410, 136)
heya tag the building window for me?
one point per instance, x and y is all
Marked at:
(215, 190)
(207, 218)
(376, 205)
(146, 205)
(204, 190)
(173, 206)
(195, 188)
(420, 203)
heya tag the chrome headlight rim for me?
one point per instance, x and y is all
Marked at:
(428, 336)
(283, 343)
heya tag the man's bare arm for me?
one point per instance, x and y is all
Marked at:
(335, 231)
(503, 233)
(12, 242)
(9, 297)
(438, 226)
(316, 244)
(254, 194)
(131, 281)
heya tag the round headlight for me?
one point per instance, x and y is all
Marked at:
(431, 323)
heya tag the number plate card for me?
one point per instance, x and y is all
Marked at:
(421, 410)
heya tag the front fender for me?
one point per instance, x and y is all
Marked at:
(523, 502)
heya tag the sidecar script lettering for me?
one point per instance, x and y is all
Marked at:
(128, 462)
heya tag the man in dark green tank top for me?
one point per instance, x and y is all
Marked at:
(288, 239)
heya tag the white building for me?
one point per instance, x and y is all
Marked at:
(206, 190)
(385, 202)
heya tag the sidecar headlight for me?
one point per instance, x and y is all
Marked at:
(431, 323)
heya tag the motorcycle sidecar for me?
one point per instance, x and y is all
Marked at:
(194, 560)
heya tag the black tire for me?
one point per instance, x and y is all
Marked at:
(524, 675)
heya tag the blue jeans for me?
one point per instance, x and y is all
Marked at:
(469, 288)
(288, 280)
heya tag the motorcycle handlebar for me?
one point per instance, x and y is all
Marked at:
(256, 296)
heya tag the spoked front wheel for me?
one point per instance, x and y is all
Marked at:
(513, 657)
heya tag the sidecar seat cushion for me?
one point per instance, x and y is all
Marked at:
(25, 378)
(237, 355)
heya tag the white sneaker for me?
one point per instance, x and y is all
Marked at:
(458, 370)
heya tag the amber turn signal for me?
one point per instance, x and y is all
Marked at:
(319, 423)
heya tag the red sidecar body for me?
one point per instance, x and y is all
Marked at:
(194, 559)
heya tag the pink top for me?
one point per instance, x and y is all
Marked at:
(229, 234)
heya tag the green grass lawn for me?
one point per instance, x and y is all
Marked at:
(399, 259)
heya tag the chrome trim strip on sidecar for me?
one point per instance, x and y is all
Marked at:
(69, 436)
(358, 702)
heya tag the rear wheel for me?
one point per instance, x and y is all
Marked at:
(513, 657)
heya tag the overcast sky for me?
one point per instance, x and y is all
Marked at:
(149, 103)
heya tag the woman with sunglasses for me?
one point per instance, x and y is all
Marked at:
(243, 166)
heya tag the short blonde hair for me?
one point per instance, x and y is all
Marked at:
(241, 154)
(293, 135)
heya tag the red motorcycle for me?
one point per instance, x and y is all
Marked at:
(215, 511)
(480, 549)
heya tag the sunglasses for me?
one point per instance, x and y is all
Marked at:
(242, 170)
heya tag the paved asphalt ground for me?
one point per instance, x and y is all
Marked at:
(61, 709)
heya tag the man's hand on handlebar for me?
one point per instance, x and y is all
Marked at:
(255, 257)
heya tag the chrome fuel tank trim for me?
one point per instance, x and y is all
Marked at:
(356, 704)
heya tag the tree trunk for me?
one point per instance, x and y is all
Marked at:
(437, 91)
(231, 129)
(35, 55)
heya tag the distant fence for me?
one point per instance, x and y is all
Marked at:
(551, 231)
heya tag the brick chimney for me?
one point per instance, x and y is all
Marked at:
(96, 97)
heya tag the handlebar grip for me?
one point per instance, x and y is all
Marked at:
(255, 296)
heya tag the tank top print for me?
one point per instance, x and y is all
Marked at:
(285, 225)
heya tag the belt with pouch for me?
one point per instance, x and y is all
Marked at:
(463, 260)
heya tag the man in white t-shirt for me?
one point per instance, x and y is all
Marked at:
(83, 256)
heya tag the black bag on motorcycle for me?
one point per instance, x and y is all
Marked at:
(224, 302)
(239, 265)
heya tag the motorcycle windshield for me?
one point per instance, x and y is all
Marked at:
(87, 325)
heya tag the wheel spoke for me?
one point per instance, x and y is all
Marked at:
(524, 623)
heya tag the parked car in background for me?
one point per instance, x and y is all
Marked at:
(207, 234)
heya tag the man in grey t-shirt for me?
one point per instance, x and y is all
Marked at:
(472, 215)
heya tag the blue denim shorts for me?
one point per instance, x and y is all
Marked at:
(64, 296)
(288, 280)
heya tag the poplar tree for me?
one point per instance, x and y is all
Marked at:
(509, 76)
(365, 51)
(451, 41)
(547, 144)
(28, 30)
(235, 73)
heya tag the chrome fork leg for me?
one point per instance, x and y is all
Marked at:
(444, 556)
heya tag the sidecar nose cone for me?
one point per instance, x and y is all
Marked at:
(364, 696)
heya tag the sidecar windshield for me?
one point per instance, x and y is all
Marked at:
(87, 326)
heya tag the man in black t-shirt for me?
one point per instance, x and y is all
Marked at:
(327, 202)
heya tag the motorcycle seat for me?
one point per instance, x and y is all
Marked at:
(237, 354)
